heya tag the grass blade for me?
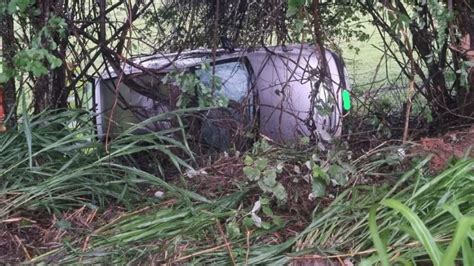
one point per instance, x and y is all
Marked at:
(463, 228)
(27, 129)
(467, 253)
(422, 233)
(374, 232)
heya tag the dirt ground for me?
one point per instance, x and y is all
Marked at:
(452, 145)
(24, 236)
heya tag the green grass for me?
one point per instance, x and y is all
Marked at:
(367, 63)
(55, 162)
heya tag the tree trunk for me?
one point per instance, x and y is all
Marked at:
(8, 53)
(41, 89)
(60, 92)
(465, 23)
(49, 91)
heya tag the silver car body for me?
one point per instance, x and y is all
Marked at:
(282, 78)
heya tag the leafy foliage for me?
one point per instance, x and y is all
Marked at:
(193, 88)
(38, 58)
(260, 171)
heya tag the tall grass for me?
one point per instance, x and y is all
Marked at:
(414, 221)
(54, 162)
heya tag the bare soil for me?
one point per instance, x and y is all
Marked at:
(452, 145)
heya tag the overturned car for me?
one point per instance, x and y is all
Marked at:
(282, 93)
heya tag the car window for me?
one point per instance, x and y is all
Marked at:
(234, 77)
(133, 106)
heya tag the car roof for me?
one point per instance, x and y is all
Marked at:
(182, 60)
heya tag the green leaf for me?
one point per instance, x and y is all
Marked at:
(11, 7)
(21, 5)
(248, 222)
(233, 230)
(54, 61)
(404, 19)
(317, 172)
(278, 221)
(4, 77)
(291, 11)
(266, 225)
(280, 192)
(318, 187)
(267, 211)
(38, 69)
(252, 173)
(296, 3)
(467, 252)
(269, 177)
(338, 174)
(462, 234)
(264, 201)
(299, 25)
(370, 261)
(248, 160)
(264, 187)
(261, 163)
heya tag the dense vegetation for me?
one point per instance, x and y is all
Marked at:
(376, 196)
